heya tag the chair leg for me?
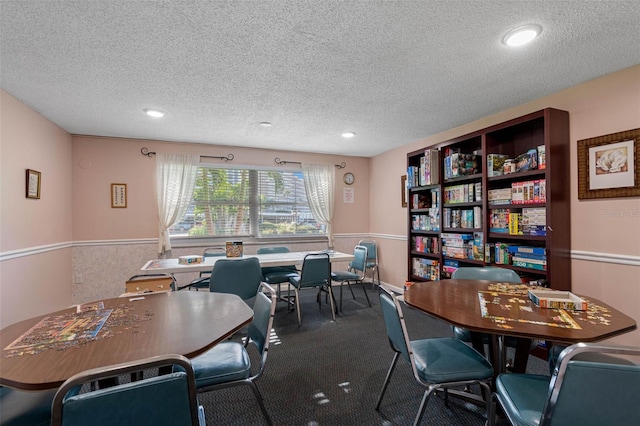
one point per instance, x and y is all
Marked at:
(298, 305)
(364, 288)
(256, 392)
(486, 394)
(333, 309)
(423, 404)
(386, 379)
(491, 417)
(351, 290)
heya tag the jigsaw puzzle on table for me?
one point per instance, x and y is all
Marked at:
(162, 263)
(76, 328)
(504, 303)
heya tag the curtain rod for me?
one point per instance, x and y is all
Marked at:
(145, 151)
(283, 162)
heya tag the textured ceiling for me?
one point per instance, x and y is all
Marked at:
(391, 71)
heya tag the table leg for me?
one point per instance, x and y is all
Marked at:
(497, 353)
(523, 347)
(477, 341)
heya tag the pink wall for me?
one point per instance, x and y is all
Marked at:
(39, 279)
(98, 162)
(606, 105)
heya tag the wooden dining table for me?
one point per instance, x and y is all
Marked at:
(42, 352)
(503, 309)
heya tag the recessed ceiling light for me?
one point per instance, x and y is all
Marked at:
(155, 113)
(348, 134)
(265, 124)
(522, 35)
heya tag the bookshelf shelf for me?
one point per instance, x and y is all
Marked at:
(526, 143)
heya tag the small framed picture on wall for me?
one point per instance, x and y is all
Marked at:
(33, 184)
(118, 195)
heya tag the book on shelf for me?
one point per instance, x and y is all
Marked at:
(541, 251)
(515, 223)
(515, 258)
(529, 265)
(501, 254)
(500, 196)
(449, 267)
(478, 246)
(495, 164)
(536, 258)
(425, 268)
(542, 157)
(527, 161)
(431, 166)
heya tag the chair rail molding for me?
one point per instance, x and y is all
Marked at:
(620, 259)
(29, 251)
(589, 256)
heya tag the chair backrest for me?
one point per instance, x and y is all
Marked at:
(372, 250)
(316, 270)
(268, 250)
(589, 393)
(236, 276)
(394, 323)
(161, 400)
(271, 269)
(489, 273)
(359, 263)
(259, 331)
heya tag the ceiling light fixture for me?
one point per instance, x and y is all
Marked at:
(265, 124)
(522, 35)
(348, 135)
(155, 113)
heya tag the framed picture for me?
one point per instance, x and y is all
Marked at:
(118, 195)
(33, 184)
(608, 166)
(404, 189)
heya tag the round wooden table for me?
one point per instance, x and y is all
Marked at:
(183, 322)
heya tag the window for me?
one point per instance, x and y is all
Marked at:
(247, 202)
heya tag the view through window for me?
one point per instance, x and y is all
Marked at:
(247, 202)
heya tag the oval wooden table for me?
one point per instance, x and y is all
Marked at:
(502, 309)
(182, 322)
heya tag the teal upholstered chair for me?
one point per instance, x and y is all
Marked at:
(580, 391)
(355, 274)
(20, 408)
(491, 273)
(168, 399)
(228, 363)
(203, 281)
(278, 275)
(316, 273)
(372, 260)
(554, 354)
(236, 276)
(435, 362)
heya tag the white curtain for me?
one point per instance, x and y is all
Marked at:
(319, 180)
(175, 181)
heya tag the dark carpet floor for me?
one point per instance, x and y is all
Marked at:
(330, 373)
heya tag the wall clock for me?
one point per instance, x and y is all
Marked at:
(349, 178)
